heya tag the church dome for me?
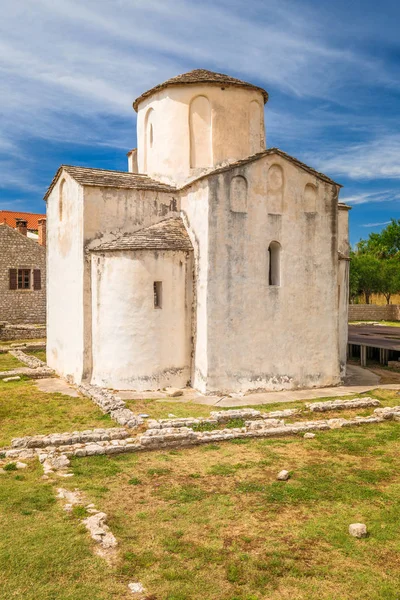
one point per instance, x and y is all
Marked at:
(200, 76)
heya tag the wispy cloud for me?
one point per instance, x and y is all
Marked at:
(371, 196)
(70, 71)
(378, 158)
(374, 224)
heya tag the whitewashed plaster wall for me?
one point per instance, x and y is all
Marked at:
(65, 277)
(272, 337)
(108, 213)
(195, 214)
(135, 345)
(343, 284)
(227, 122)
(90, 215)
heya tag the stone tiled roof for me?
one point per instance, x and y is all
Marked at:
(166, 235)
(200, 76)
(115, 179)
(10, 217)
(254, 157)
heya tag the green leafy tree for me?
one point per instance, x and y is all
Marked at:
(367, 270)
(385, 244)
(390, 278)
(354, 278)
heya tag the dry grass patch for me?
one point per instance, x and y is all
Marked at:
(213, 522)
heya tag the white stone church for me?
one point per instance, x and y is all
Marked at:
(212, 262)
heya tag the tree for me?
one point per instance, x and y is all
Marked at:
(354, 277)
(367, 270)
(390, 278)
(385, 244)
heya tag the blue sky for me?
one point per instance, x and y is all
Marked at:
(70, 70)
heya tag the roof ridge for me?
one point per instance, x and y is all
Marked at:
(256, 156)
(106, 170)
(26, 212)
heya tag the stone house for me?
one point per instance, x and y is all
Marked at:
(22, 273)
(214, 261)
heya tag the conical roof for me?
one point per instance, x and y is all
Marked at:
(200, 76)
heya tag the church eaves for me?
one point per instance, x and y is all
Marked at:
(115, 179)
(200, 76)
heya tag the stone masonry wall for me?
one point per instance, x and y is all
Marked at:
(20, 252)
(20, 332)
(373, 312)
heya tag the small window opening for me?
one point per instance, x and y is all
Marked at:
(151, 135)
(157, 289)
(24, 279)
(61, 200)
(274, 255)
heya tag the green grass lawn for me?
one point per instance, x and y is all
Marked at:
(44, 553)
(8, 362)
(212, 522)
(41, 354)
(25, 410)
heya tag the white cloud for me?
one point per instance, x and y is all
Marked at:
(70, 70)
(374, 159)
(367, 197)
(375, 224)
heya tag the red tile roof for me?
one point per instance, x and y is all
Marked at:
(10, 217)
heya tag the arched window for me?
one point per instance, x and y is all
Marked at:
(148, 137)
(274, 264)
(275, 187)
(255, 127)
(238, 194)
(61, 194)
(310, 198)
(200, 132)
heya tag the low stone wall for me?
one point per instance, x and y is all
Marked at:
(373, 312)
(21, 332)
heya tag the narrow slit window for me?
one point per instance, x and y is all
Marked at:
(274, 255)
(157, 289)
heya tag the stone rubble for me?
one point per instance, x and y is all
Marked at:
(38, 373)
(358, 530)
(16, 378)
(309, 436)
(341, 404)
(283, 475)
(391, 413)
(99, 530)
(53, 462)
(158, 437)
(28, 346)
(31, 361)
(249, 414)
(136, 588)
(95, 523)
(74, 437)
(111, 404)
